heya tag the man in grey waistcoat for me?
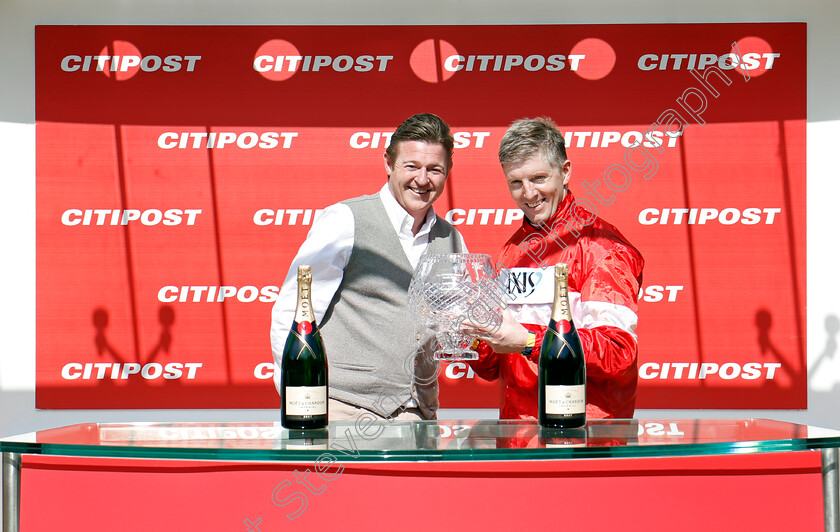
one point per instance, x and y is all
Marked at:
(363, 252)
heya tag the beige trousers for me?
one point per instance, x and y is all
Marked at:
(341, 411)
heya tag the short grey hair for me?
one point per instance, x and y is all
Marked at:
(528, 137)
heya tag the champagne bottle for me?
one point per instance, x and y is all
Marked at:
(303, 371)
(562, 368)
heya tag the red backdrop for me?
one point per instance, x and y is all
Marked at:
(179, 169)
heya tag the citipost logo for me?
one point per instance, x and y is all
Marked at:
(121, 61)
(751, 55)
(436, 60)
(279, 60)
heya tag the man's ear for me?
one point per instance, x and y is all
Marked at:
(567, 173)
(389, 166)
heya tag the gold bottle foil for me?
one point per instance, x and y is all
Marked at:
(561, 309)
(304, 305)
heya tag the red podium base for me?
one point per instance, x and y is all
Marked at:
(773, 491)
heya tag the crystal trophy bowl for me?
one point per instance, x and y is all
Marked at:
(450, 289)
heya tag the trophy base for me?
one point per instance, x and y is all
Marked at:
(455, 356)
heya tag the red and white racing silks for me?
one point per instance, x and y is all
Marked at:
(605, 274)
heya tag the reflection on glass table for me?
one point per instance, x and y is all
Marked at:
(451, 441)
(425, 440)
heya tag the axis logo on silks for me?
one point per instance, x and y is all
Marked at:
(524, 285)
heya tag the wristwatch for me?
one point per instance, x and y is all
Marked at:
(529, 345)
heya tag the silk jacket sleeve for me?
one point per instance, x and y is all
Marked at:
(608, 283)
(487, 365)
(603, 296)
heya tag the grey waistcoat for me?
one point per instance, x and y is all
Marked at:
(377, 356)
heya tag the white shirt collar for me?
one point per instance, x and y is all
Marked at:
(400, 219)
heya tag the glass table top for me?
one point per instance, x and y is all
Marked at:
(450, 440)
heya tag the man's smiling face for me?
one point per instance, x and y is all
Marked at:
(537, 187)
(417, 175)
